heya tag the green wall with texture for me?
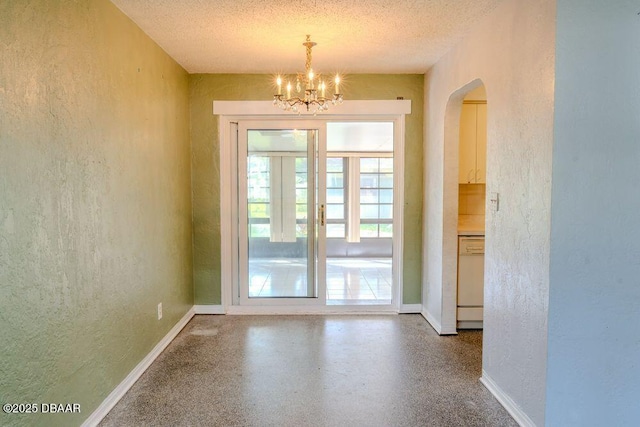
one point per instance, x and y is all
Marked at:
(95, 206)
(205, 88)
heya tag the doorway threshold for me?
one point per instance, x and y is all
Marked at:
(311, 310)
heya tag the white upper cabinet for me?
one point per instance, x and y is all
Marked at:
(473, 143)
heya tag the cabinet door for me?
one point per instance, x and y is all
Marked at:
(467, 154)
(481, 143)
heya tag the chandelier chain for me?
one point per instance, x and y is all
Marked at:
(309, 45)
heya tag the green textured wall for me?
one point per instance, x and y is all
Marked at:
(95, 207)
(205, 88)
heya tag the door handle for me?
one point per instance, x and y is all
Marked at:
(321, 214)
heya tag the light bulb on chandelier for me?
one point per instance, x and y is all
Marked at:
(313, 100)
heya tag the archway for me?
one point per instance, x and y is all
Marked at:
(451, 204)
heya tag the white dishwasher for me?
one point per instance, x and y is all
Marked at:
(470, 281)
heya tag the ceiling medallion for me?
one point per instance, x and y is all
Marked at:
(315, 88)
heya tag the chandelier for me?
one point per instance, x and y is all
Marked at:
(315, 88)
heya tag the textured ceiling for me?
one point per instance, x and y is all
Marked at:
(265, 36)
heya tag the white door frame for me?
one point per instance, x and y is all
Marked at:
(229, 112)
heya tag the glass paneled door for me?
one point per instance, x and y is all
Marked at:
(316, 213)
(280, 215)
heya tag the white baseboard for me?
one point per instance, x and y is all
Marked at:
(209, 309)
(470, 324)
(512, 408)
(435, 324)
(133, 376)
(410, 308)
(432, 321)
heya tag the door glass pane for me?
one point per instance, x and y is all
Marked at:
(368, 230)
(369, 212)
(335, 164)
(335, 180)
(278, 203)
(386, 165)
(359, 247)
(369, 165)
(335, 211)
(335, 195)
(386, 180)
(369, 195)
(386, 196)
(335, 230)
(368, 180)
(259, 230)
(386, 211)
(301, 195)
(386, 230)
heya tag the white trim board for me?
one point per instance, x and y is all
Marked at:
(435, 324)
(114, 397)
(359, 108)
(209, 309)
(410, 308)
(512, 408)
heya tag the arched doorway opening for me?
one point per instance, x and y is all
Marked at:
(464, 203)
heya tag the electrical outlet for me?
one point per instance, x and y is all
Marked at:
(159, 311)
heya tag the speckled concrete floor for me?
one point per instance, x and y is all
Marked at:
(313, 371)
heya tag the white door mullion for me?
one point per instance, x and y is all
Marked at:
(353, 224)
(275, 198)
(321, 256)
(243, 225)
(288, 195)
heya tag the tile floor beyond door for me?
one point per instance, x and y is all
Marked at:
(349, 280)
(364, 370)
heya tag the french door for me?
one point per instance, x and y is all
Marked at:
(281, 181)
(315, 204)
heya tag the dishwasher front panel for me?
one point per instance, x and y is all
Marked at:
(470, 278)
